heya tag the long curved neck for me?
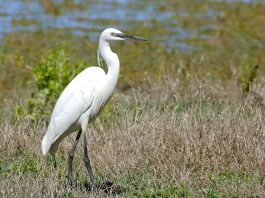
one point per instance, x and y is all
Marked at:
(112, 61)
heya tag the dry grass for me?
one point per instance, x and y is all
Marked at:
(152, 142)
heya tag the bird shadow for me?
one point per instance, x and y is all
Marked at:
(107, 187)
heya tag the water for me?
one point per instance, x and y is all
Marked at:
(76, 20)
(88, 18)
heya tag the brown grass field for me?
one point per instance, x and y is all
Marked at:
(152, 143)
(182, 123)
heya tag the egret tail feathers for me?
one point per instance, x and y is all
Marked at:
(46, 145)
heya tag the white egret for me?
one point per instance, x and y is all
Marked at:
(83, 98)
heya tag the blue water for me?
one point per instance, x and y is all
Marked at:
(79, 20)
(93, 16)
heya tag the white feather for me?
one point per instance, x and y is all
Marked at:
(85, 95)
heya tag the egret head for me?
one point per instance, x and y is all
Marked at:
(112, 34)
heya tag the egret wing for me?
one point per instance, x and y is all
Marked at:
(76, 98)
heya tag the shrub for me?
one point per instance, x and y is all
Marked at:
(51, 76)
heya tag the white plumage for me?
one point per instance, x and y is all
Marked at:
(83, 98)
(74, 107)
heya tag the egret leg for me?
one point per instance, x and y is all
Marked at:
(87, 162)
(54, 162)
(71, 154)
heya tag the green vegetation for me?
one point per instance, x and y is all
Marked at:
(181, 123)
(51, 76)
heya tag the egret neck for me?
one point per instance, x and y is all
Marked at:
(112, 61)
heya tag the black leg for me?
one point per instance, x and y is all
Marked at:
(54, 162)
(71, 154)
(87, 162)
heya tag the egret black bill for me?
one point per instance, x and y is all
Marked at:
(128, 37)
